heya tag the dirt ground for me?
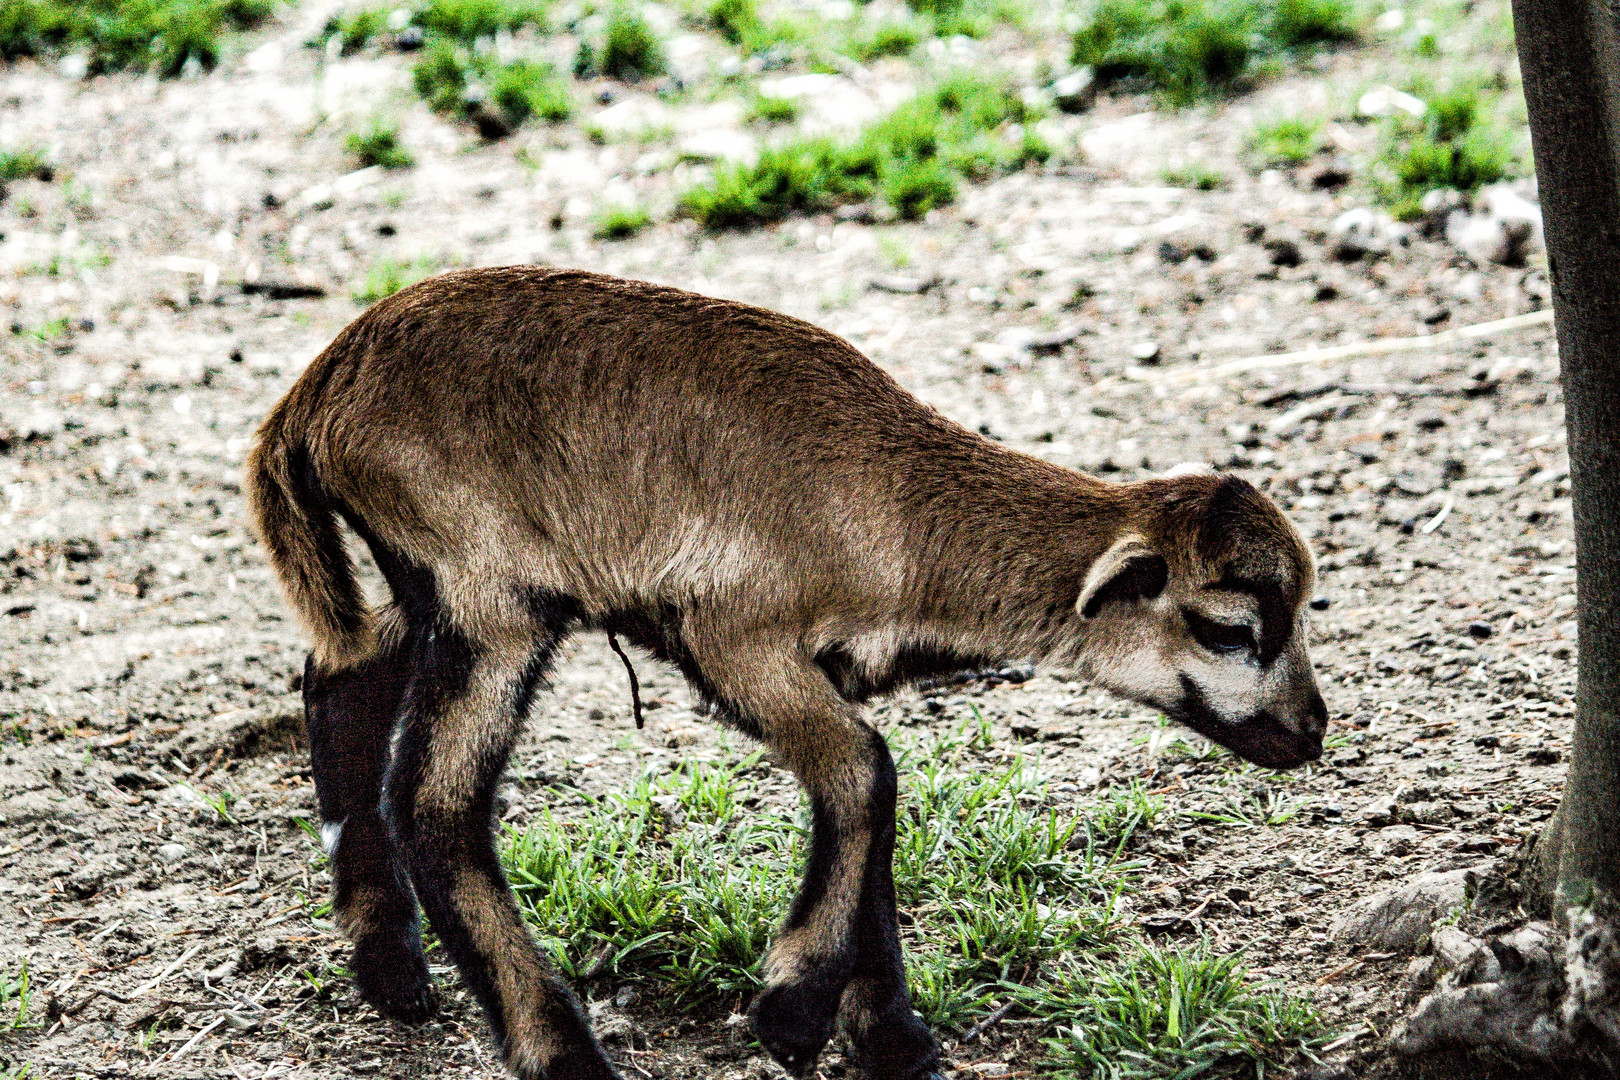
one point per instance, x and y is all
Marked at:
(147, 662)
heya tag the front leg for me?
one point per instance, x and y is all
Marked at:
(810, 963)
(841, 937)
(888, 1038)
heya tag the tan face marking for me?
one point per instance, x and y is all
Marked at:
(1224, 654)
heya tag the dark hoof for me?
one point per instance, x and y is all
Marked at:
(896, 1045)
(786, 1025)
(889, 1069)
(393, 979)
(583, 1066)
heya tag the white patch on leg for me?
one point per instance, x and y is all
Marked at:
(330, 832)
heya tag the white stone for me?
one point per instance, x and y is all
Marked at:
(1386, 100)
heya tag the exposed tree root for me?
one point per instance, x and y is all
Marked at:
(1537, 994)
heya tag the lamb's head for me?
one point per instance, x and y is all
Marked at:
(1200, 610)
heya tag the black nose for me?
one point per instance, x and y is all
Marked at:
(1316, 715)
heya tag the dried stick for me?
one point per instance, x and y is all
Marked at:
(1375, 347)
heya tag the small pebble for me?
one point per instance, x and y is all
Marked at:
(1145, 352)
(1479, 631)
(171, 853)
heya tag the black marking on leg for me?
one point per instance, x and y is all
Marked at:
(817, 868)
(889, 1040)
(555, 616)
(794, 1020)
(391, 974)
(454, 865)
(350, 716)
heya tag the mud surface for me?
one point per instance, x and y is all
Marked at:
(152, 868)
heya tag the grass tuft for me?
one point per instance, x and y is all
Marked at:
(737, 21)
(888, 38)
(1287, 140)
(25, 164)
(620, 222)
(386, 277)
(1458, 143)
(379, 145)
(774, 110)
(440, 77)
(355, 30)
(1188, 49)
(914, 158)
(1195, 175)
(1117, 817)
(1175, 1012)
(15, 994)
(1297, 23)
(526, 88)
(628, 49)
(970, 18)
(467, 21)
(455, 80)
(159, 35)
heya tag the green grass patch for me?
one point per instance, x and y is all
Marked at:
(1123, 812)
(16, 992)
(1248, 809)
(379, 144)
(454, 80)
(158, 35)
(741, 24)
(386, 277)
(1184, 50)
(355, 30)
(463, 21)
(441, 77)
(1195, 175)
(678, 884)
(1286, 140)
(888, 38)
(1176, 1012)
(967, 127)
(1460, 142)
(620, 222)
(627, 48)
(681, 886)
(736, 21)
(970, 18)
(458, 74)
(527, 88)
(468, 20)
(25, 164)
(774, 110)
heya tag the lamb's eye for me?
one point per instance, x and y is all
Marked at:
(1219, 637)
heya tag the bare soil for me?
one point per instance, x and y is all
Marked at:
(147, 664)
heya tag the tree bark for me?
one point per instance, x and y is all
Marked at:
(1569, 55)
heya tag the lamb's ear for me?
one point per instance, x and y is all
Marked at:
(1130, 570)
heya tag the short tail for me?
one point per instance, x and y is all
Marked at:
(299, 527)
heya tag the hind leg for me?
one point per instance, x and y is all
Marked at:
(462, 713)
(351, 715)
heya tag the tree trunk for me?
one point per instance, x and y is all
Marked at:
(1569, 53)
